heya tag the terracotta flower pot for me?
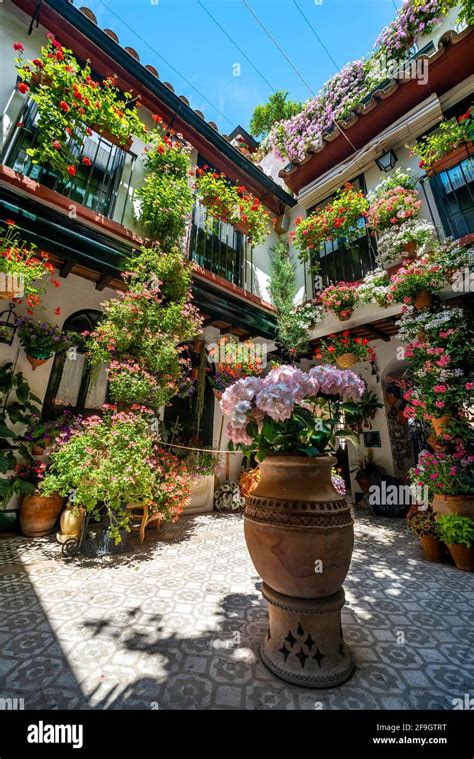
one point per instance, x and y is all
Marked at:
(346, 360)
(37, 450)
(345, 315)
(7, 294)
(391, 399)
(440, 424)
(452, 158)
(462, 505)
(423, 300)
(38, 514)
(364, 484)
(112, 138)
(434, 549)
(410, 249)
(299, 534)
(35, 362)
(463, 557)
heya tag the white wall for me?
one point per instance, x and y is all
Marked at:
(74, 294)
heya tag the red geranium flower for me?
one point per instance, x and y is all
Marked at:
(64, 106)
(71, 171)
(18, 46)
(57, 311)
(87, 161)
(57, 145)
(23, 88)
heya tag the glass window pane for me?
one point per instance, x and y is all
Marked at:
(70, 384)
(97, 389)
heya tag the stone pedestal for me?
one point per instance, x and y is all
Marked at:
(304, 644)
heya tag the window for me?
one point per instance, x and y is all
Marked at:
(453, 190)
(220, 249)
(93, 186)
(71, 384)
(339, 262)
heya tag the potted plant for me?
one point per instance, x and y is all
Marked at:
(458, 534)
(42, 434)
(413, 237)
(165, 197)
(340, 299)
(374, 288)
(440, 360)
(116, 461)
(201, 465)
(17, 406)
(392, 207)
(424, 525)
(343, 218)
(38, 513)
(41, 340)
(232, 360)
(366, 469)
(415, 282)
(447, 146)
(345, 350)
(295, 516)
(71, 105)
(22, 268)
(232, 204)
(450, 477)
(360, 415)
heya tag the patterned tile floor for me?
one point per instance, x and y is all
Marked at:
(176, 624)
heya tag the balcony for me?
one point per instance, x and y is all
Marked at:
(102, 187)
(220, 250)
(453, 191)
(338, 262)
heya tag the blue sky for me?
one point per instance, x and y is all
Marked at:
(189, 40)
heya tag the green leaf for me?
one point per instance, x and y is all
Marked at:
(6, 432)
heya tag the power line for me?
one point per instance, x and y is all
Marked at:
(269, 34)
(317, 36)
(236, 45)
(167, 62)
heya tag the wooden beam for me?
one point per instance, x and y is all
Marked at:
(103, 282)
(376, 332)
(65, 269)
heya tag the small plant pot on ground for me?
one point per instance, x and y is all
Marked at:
(433, 548)
(463, 557)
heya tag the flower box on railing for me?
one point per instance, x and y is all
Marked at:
(452, 159)
(112, 138)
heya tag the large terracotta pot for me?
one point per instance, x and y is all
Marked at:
(38, 514)
(462, 505)
(299, 534)
(433, 548)
(463, 557)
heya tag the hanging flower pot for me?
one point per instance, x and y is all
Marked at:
(423, 300)
(346, 360)
(344, 316)
(37, 358)
(391, 398)
(410, 249)
(401, 417)
(440, 423)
